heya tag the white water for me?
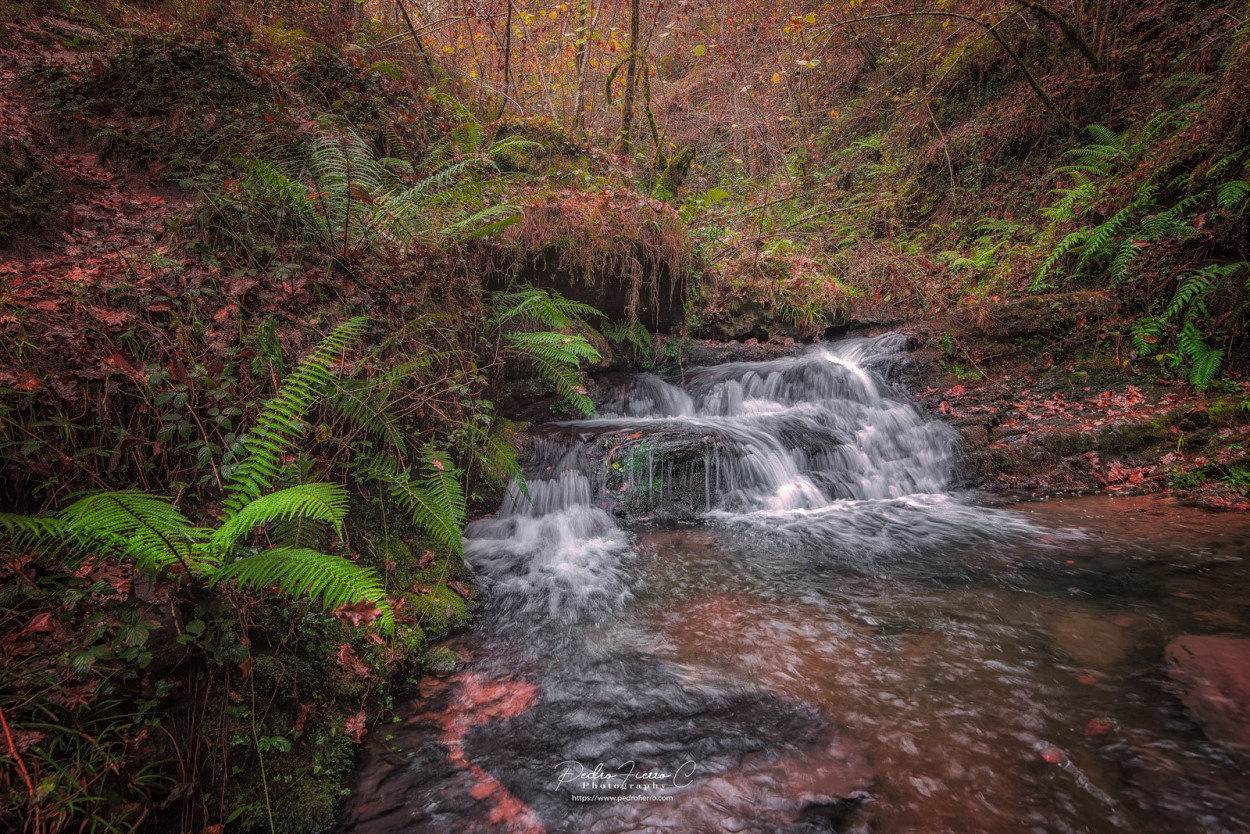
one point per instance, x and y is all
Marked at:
(816, 453)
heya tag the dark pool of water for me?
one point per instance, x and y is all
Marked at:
(988, 683)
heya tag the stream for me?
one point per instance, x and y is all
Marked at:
(751, 600)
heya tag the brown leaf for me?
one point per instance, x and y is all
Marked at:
(351, 663)
(460, 589)
(358, 613)
(355, 727)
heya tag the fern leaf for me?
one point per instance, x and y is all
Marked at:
(436, 513)
(1233, 194)
(331, 581)
(281, 421)
(317, 502)
(1205, 368)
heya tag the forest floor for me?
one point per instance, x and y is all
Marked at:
(1046, 405)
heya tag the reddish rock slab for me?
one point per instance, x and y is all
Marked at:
(1213, 673)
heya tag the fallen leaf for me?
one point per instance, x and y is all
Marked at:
(355, 727)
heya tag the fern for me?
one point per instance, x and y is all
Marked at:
(315, 502)
(1205, 361)
(149, 532)
(345, 198)
(493, 450)
(634, 333)
(127, 525)
(1192, 289)
(556, 355)
(1145, 335)
(281, 421)
(1233, 195)
(551, 309)
(557, 359)
(433, 504)
(333, 581)
(1069, 243)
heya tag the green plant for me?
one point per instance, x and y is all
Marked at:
(1186, 311)
(1238, 480)
(342, 198)
(149, 531)
(557, 353)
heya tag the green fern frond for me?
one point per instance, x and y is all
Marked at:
(442, 480)
(331, 581)
(1205, 369)
(146, 529)
(1191, 288)
(489, 221)
(538, 305)
(364, 403)
(1069, 243)
(1123, 260)
(281, 421)
(317, 502)
(494, 451)
(635, 333)
(1233, 195)
(53, 538)
(1105, 138)
(434, 510)
(1146, 334)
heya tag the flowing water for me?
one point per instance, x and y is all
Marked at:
(748, 600)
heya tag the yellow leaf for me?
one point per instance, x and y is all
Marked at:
(776, 78)
(811, 17)
(834, 114)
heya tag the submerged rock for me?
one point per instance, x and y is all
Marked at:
(1095, 638)
(1213, 673)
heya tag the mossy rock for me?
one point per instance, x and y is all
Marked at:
(1131, 437)
(1023, 319)
(439, 612)
(1065, 444)
(1228, 411)
(442, 661)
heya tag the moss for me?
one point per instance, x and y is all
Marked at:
(1065, 444)
(439, 612)
(441, 661)
(1228, 411)
(1131, 437)
(305, 784)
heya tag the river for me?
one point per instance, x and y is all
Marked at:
(752, 599)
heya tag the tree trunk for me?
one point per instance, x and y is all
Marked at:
(585, 29)
(507, 61)
(631, 78)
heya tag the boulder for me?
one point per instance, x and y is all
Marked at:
(1212, 673)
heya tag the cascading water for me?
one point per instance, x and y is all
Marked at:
(746, 601)
(812, 448)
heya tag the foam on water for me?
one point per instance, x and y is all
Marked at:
(816, 451)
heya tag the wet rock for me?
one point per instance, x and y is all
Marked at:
(1094, 638)
(1213, 674)
(442, 661)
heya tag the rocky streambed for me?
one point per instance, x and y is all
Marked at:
(755, 597)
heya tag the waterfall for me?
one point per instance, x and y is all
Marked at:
(816, 451)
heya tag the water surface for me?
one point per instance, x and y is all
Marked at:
(750, 599)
